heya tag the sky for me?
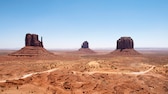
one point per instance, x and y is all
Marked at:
(65, 24)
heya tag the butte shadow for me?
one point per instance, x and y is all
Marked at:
(125, 46)
(33, 48)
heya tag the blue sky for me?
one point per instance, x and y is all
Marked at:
(65, 24)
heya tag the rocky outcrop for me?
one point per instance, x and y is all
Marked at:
(125, 43)
(125, 46)
(85, 44)
(32, 40)
(33, 48)
(85, 49)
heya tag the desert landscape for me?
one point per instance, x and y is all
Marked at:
(35, 70)
(83, 47)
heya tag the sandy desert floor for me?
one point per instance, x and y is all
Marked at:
(69, 73)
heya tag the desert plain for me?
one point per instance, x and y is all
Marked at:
(69, 72)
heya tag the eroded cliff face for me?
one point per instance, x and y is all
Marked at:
(125, 43)
(32, 40)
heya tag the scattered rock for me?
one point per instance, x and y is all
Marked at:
(94, 64)
(67, 85)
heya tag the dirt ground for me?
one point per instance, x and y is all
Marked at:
(71, 73)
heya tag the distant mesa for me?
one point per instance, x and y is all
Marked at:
(32, 40)
(125, 46)
(85, 44)
(125, 43)
(33, 47)
(85, 48)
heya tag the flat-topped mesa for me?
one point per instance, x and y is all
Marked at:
(125, 47)
(85, 44)
(32, 40)
(125, 43)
